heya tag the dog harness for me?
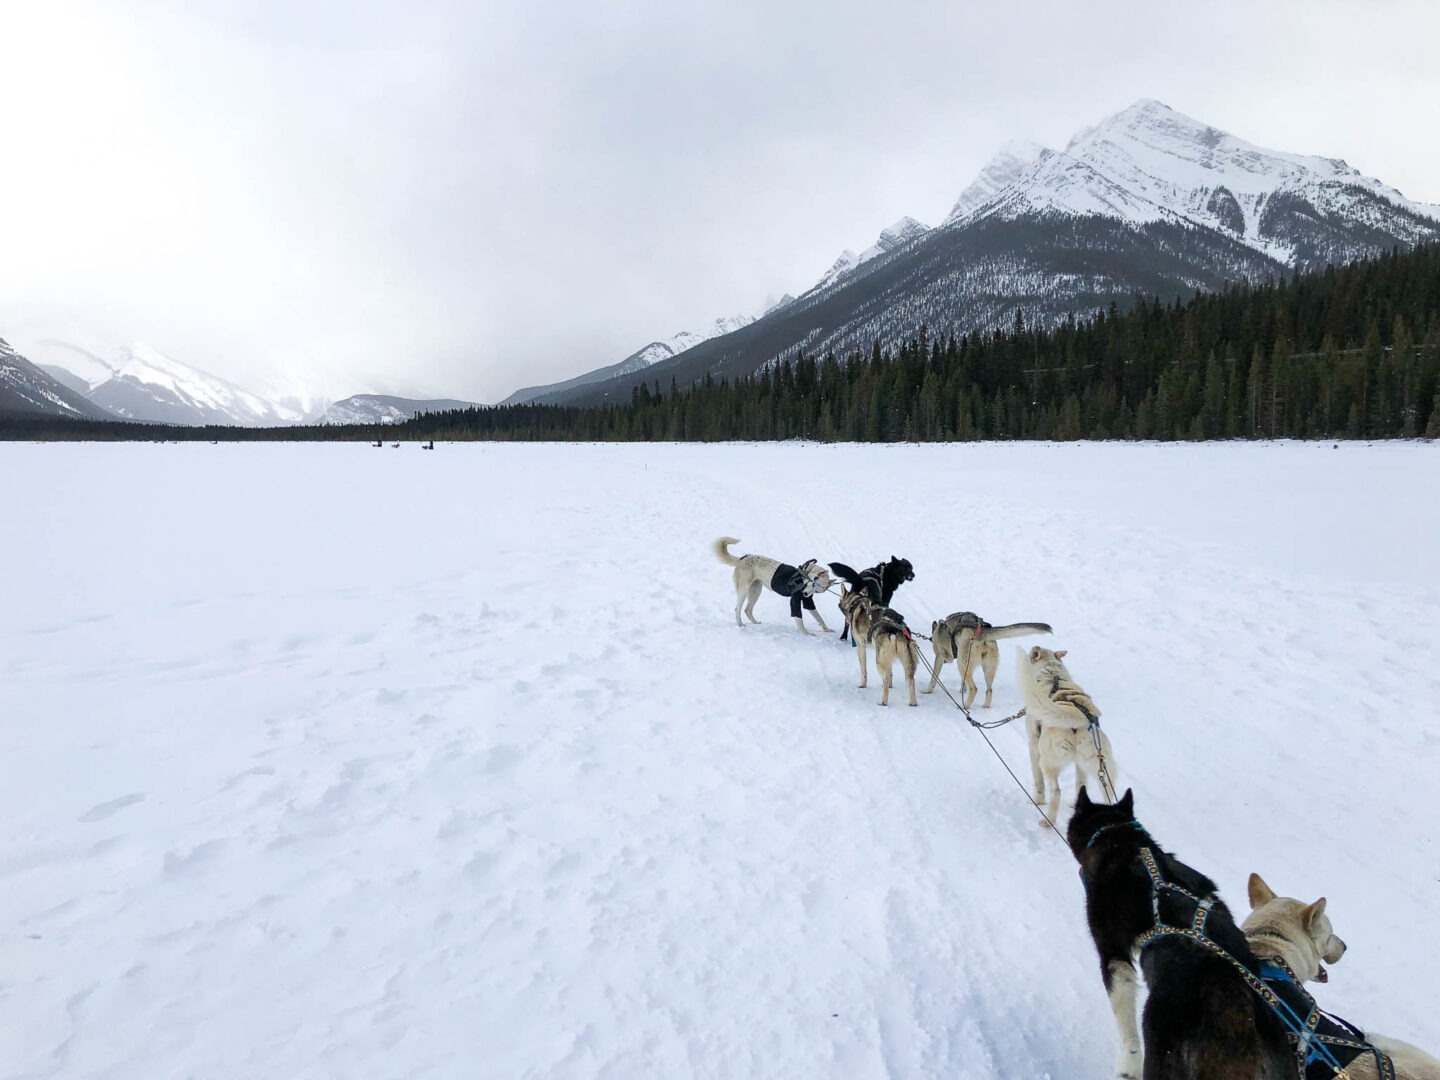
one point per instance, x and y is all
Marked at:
(1324, 1045)
(1342, 1041)
(789, 581)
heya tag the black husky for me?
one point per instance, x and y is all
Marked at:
(879, 581)
(1202, 1020)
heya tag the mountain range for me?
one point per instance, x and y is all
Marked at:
(137, 382)
(1146, 202)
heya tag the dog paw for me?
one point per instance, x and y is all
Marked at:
(1129, 1065)
(927, 691)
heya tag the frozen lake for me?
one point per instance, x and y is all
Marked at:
(323, 760)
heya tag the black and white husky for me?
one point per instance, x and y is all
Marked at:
(753, 573)
(1202, 1020)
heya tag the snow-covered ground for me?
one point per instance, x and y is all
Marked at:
(323, 760)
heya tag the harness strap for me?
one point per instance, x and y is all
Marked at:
(1314, 1057)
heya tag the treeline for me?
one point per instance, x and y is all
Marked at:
(1349, 352)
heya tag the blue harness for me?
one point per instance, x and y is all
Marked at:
(1324, 1045)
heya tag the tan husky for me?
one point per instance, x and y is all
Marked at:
(1057, 722)
(872, 625)
(966, 637)
(1299, 934)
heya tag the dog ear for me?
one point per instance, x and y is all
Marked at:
(934, 625)
(1082, 800)
(1260, 893)
(1060, 652)
(1311, 913)
(1126, 805)
(1035, 654)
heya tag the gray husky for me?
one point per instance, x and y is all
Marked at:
(797, 583)
(966, 637)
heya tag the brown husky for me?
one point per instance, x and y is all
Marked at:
(872, 625)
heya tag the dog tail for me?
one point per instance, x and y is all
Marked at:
(1019, 629)
(850, 575)
(721, 548)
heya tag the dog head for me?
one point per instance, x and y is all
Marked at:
(817, 576)
(1304, 930)
(899, 570)
(1091, 817)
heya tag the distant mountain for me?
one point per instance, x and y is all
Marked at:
(1148, 201)
(26, 389)
(384, 409)
(639, 360)
(140, 383)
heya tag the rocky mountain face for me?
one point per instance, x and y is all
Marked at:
(385, 409)
(26, 390)
(1148, 201)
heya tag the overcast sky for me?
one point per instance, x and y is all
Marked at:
(460, 198)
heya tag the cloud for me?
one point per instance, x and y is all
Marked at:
(451, 198)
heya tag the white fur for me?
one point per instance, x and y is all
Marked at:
(1058, 729)
(1301, 935)
(753, 574)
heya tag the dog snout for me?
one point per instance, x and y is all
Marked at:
(1334, 949)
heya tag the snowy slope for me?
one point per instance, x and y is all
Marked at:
(510, 795)
(26, 389)
(638, 361)
(385, 409)
(1150, 163)
(139, 382)
(891, 238)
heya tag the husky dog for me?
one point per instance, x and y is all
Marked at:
(1057, 723)
(885, 630)
(754, 572)
(966, 637)
(1202, 1021)
(1300, 936)
(879, 581)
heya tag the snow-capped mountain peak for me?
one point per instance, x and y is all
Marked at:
(1009, 164)
(894, 236)
(1149, 163)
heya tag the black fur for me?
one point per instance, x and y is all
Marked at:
(1201, 1020)
(879, 581)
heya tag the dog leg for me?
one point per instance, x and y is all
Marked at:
(818, 619)
(934, 674)
(1052, 781)
(969, 689)
(1032, 729)
(1120, 985)
(739, 603)
(989, 660)
(756, 588)
(860, 648)
(910, 673)
(887, 676)
(800, 622)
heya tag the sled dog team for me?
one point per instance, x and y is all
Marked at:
(1225, 1002)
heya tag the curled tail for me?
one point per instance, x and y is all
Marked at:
(851, 576)
(1019, 629)
(721, 548)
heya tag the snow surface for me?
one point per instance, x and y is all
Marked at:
(296, 787)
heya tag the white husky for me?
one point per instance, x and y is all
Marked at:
(1058, 715)
(1282, 928)
(754, 572)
